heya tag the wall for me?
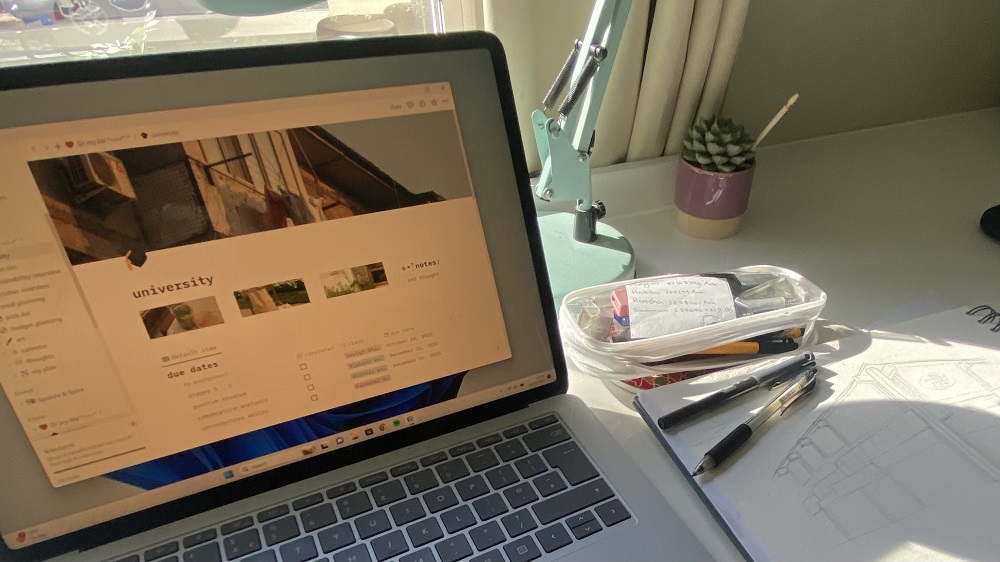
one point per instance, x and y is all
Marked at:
(863, 63)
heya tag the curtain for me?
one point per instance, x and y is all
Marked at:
(673, 66)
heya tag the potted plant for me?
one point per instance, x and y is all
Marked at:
(715, 174)
(713, 178)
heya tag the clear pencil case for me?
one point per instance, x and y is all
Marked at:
(688, 322)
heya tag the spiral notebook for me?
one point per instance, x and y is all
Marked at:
(896, 455)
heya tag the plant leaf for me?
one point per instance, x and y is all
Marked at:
(714, 148)
(710, 137)
(703, 158)
(727, 168)
(733, 149)
(699, 146)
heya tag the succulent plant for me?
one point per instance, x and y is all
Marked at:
(718, 145)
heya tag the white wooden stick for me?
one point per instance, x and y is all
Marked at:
(774, 120)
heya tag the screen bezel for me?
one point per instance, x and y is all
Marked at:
(94, 71)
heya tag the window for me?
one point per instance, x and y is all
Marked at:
(43, 32)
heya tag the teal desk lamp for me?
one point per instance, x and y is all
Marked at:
(579, 250)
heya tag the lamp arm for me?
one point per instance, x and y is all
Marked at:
(565, 143)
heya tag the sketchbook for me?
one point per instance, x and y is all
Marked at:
(894, 456)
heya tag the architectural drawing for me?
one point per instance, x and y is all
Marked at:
(861, 473)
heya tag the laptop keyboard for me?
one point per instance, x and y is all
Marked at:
(508, 496)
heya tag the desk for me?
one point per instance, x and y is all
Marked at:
(878, 218)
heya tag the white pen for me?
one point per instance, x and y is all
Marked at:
(797, 387)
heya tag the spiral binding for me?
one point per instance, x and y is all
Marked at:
(992, 315)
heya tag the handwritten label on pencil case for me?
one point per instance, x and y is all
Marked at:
(676, 304)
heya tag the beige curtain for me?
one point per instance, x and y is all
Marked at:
(669, 70)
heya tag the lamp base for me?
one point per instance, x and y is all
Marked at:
(573, 265)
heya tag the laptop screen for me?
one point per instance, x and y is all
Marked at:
(200, 282)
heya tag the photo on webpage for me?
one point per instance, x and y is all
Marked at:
(106, 205)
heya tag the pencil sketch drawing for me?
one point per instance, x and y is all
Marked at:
(864, 468)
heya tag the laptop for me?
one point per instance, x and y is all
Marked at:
(289, 303)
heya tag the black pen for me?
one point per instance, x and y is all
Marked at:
(797, 387)
(771, 375)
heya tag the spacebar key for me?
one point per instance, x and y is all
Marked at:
(570, 502)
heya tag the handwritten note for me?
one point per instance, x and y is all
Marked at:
(676, 304)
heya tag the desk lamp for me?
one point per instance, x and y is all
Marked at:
(579, 250)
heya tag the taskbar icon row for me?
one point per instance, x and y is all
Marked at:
(330, 443)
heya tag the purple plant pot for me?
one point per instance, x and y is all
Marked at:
(710, 204)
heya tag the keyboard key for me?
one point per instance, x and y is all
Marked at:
(402, 469)
(570, 460)
(542, 422)
(434, 459)
(587, 529)
(482, 459)
(569, 502)
(407, 511)
(373, 479)
(489, 440)
(238, 525)
(502, 476)
(549, 483)
(422, 555)
(491, 556)
(472, 487)
(522, 550)
(241, 544)
(612, 513)
(424, 531)
(354, 504)
(194, 540)
(453, 549)
(387, 493)
(518, 523)
(553, 537)
(133, 558)
(272, 513)
(421, 481)
(204, 553)
(372, 524)
(515, 431)
(462, 449)
(579, 519)
(307, 501)
(266, 556)
(281, 530)
(341, 490)
(161, 551)
(530, 466)
(336, 537)
(520, 495)
(510, 450)
(546, 437)
(441, 499)
(299, 550)
(388, 546)
(489, 507)
(457, 519)
(451, 470)
(487, 535)
(318, 517)
(357, 553)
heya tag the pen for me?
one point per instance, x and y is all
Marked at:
(797, 387)
(771, 375)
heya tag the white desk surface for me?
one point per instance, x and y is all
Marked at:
(879, 219)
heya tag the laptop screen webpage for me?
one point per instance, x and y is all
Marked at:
(194, 296)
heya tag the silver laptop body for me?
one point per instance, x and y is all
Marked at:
(289, 303)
